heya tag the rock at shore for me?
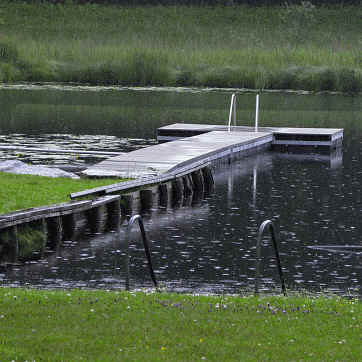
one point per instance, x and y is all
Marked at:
(18, 167)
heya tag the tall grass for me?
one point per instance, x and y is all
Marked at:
(299, 47)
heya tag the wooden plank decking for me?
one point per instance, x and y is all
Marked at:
(201, 142)
(281, 135)
(185, 152)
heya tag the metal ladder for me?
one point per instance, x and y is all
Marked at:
(145, 245)
(232, 112)
(267, 224)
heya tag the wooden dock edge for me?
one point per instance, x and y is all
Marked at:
(27, 233)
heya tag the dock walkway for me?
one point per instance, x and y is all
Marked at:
(166, 157)
(196, 143)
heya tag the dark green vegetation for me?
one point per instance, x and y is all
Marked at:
(290, 47)
(25, 191)
(120, 326)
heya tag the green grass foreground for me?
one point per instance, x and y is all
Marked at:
(119, 326)
(289, 47)
(25, 191)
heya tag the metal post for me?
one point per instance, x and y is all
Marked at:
(257, 113)
(232, 111)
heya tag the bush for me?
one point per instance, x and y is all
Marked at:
(327, 80)
(8, 51)
(9, 73)
(349, 81)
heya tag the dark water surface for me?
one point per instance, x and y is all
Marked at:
(312, 199)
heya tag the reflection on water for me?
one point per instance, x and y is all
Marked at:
(312, 199)
(130, 113)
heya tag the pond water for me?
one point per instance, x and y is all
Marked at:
(209, 247)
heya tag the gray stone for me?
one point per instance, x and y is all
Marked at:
(18, 167)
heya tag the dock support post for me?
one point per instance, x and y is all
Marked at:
(127, 204)
(94, 219)
(208, 179)
(13, 244)
(69, 226)
(114, 215)
(44, 229)
(198, 181)
(177, 191)
(55, 230)
(146, 197)
(187, 186)
(163, 195)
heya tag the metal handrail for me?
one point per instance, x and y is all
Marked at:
(257, 113)
(232, 111)
(145, 245)
(263, 226)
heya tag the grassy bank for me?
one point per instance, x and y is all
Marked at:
(295, 47)
(25, 191)
(120, 326)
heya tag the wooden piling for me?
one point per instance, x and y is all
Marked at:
(177, 191)
(114, 215)
(126, 204)
(208, 180)
(94, 217)
(69, 226)
(187, 183)
(163, 195)
(146, 197)
(13, 244)
(55, 231)
(198, 181)
(44, 229)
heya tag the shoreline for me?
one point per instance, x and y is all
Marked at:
(69, 86)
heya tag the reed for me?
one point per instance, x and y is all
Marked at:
(298, 47)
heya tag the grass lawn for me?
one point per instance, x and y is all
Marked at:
(120, 326)
(25, 191)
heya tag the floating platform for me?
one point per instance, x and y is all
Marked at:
(283, 137)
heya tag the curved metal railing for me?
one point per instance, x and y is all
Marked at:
(145, 245)
(263, 226)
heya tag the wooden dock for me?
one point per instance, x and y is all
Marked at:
(166, 175)
(185, 152)
(197, 143)
(286, 136)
